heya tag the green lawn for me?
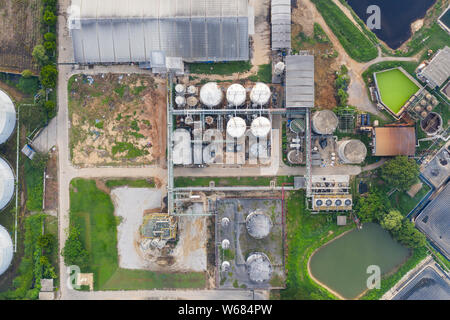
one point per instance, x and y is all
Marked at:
(220, 68)
(395, 88)
(181, 182)
(93, 211)
(140, 183)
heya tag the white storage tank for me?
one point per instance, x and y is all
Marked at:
(6, 183)
(180, 101)
(192, 102)
(180, 89)
(261, 127)
(352, 151)
(211, 95)
(192, 90)
(7, 117)
(324, 122)
(236, 95)
(260, 94)
(6, 250)
(236, 127)
(279, 68)
(259, 150)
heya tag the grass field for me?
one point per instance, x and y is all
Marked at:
(93, 211)
(181, 182)
(395, 88)
(220, 68)
(140, 183)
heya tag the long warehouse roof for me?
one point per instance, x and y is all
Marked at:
(300, 81)
(281, 24)
(130, 30)
(438, 70)
(395, 141)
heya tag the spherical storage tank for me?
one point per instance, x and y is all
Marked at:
(324, 122)
(6, 183)
(261, 127)
(7, 117)
(236, 95)
(236, 127)
(211, 95)
(260, 94)
(352, 151)
(259, 267)
(258, 224)
(6, 250)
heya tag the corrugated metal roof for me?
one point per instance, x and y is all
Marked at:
(395, 141)
(281, 24)
(129, 30)
(7, 117)
(300, 81)
(438, 70)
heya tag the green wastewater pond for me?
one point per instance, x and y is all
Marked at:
(342, 264)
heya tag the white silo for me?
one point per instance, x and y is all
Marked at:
(352, 151)
(192, 102)
(180, 89)
(6, 250)
(225, 244)
(279, 68)
(236, 127)
(258, 224)
(236, 95)
(261, 127)
(7, 117)
(260, 94)
(259, 267)
(211, 95)
(324, 122)
(180, 101)
(192, 90)
(6, 183)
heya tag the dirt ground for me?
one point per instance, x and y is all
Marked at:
(20, 26)
(117, 120)
(325, 67)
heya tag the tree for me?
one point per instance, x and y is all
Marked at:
(39, 54)
(46, 241)
(50, 46)
(74, 252)
(48, 76)
(49, 36)
(400, 172)
(49, 18)
(371, 208)
(27, 74)
(410, 236)
(392, 221)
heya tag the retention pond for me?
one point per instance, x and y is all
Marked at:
(342, 264)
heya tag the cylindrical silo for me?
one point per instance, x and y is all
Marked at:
(192, 102)
(324, 122)
(7, 117)
(211, 95)
(258, 224)
(259, 267)
(192, 90)
(180, 101)
(295, 157)
(260, 94)
(352, 151)
(236, 127)
(261, 127)
(236, 95)
(6, 250)
(6, 183)
(180, 89)
(279, 68)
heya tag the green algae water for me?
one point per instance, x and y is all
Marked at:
(342, 264)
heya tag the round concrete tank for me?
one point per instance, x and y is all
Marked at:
(295, 157)
(432, 123)
(261, 127)
(434, 102)
(258, 224)
(236, 95)
(225, 244)
(297, 126)
(7, 117)
(259, 150)
(180, 89)
(429, 108)
(180, 101)
(324, 122)
(225, 222)
(259, 267)
(352, 151)
(211, 95)
(429, 96)
(192, 102)
(6, 250)
(260, 94)
(236, 127)
(192, 90)
(423, 102)
(418, 109)
(424, 114)
(279, 68)
(225, 266)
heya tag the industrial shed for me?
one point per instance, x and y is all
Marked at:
(300, 81)
(394, 141)
(438, 70)
(281, 24)
(131, 30)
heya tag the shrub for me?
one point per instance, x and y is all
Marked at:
(74, 252)
(400, 172)
(48, 76)
(49, 17)
(39, 54)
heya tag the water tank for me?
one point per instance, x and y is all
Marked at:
(429, 108)
(423, 102)
(258, 224)
(324, 122)
(180, 89)
(431, 124)
(352, 151)
(180, 101)
(6, 183)
(211, 95)
(236, 127)
(261, 127)
(225, 244)
(295, 157)
(259, 267)
(259, 150)
(225, 267)
(424, 114)
(192, 90)
(429, 96)
(418, 109)
(236, 95)
(192, 102)
(6, 250)
(7, 117)
(297, 126)
(260, 94)
(279, 68)
(225, 222)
